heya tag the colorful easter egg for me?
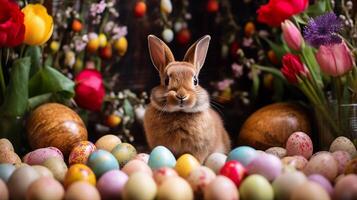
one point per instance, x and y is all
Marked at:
(20, 181)
(136, 166)
(163, 173)
(215, 161)
(175, 188)
(276, 151)
(248, 188)
(140, 186)
(185, 164)
(111, 184)
(322, 163)
(200, 177)
(101, 161)
(266, 165)
(298, 162)
(214, 189)
(4, 192)
(351, 167)
(322, 181)
(57, 166)
(124, 152)
(6, 145)
(242, 154)
(82, 190)
(143, 157)
(342, 158)
(161, 156)
(108, 142)
(285, 183)
(344, 144)
(299, 143)
(45, 188)
(79, 172)
(38, 156)
(234, 171)
(6, 170)
(346, 188)
(81, 152)
(309, 190)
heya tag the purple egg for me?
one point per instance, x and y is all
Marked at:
(266, 165)
(111, 184)
(322, 181)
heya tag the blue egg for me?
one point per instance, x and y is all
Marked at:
(101, 161)
(242, 154)
(161, 156)
(6, 170)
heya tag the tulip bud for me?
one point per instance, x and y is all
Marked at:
(293, 68)
(334, 60)
(166, 6)
(292, 35)
(121, 45)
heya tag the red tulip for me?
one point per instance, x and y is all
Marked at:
(292, 35)
(90, 90)
(293, 68)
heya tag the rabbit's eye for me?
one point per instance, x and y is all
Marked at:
(195, 80)
(167, 80)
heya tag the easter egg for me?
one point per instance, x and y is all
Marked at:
(93, 45)
(322, 181)
(266, 165)
(351, 167)
(167, 35)
(108, 142)
(143, 157)
(185, 164)
(102, 40)
(183, 36)
(101, 161)
(9, 157)
(285, 183)
(346, 188)
(6, 170)
(161, 156)
(6, 145)
(166, 6)
(45, 188)
(111, 184)
(342, 158)
(79, 172)
(299, 143)
(4, 193)
(175, 188)
(344, 144)
(276, 151)
(121, 45)
(298, 162)
(234, 171)
(38, 156)
(43, 171)
(214, 189)
(140, 186)
(81, 152)
(215, 161)
(309, 190)
(242, 154)
(323, 163)
(200, 177)
(57, 166)
(82, 190)
(136, 166)
(124, 152)
(248, 190)
(20, 180)
(163, 173)
(139, 9)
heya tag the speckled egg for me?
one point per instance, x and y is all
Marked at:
(45, 188)
(309, 190)
(9, 157)
(242, 154)
(79, 172)
(234, 171)
(136, 166)
(215, 161)
(342, 158)
(161, 156)
(299, 143)
(248, 190)
(140, 186)
(185, 164)
(344, 144)
(214, 189)
(57, 166)
(108, 142)
(266, 165)
(298, 162)
(276, 151)
(351, 167)
(4, 193)
(324, 164)
(38, 156)
(284, 184)
(101, 161)
(322, 181)
(124, 152)
(82, 190)
(346, 188)
(163, 173)
(143, 157)
(43, 171)
(5, 145)
(20, 180)
(175, 188)
(6, 170)
(80, 152)
(111, 184)
(200, 177)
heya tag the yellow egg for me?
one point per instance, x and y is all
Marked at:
(93, 45)
(185, 164)
(121, 45)
(54, 46)
(102, 40)
(57, 166)
(108, 142)
(5, 145)
(79, 172)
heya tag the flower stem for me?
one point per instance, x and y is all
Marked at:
(2, 80)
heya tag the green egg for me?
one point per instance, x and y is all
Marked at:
(124, 152)
(256, 187)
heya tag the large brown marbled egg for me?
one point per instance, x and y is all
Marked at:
(271, 125)
(55, 125)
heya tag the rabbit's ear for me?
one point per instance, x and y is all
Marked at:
(160, 53)
(196, 54)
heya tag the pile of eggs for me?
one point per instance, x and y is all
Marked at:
(110, 169)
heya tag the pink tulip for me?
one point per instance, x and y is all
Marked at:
(335, 60)
(292, 35)
(293, 68)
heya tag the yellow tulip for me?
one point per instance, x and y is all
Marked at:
(38, 24)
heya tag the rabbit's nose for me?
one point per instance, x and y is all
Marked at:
(181, 97)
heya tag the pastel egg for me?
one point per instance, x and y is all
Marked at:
(6, 170)
(38, 156)
(299, 143)
(5, 145)
(266, 165)
(20, 181)
(342, 158)
(322, 181)
(124, 152)
(111, 184)
(163, 173)
(80, 152)
(344, 144)
(324, 164)
(9, 157)
(108, 142)
(248, 189)
(161, 156)
(45, 188)
(143, 157)
(57, 166)
(101, 161)
(175, 188)
(79, 172)
(215, 161)
(214, 189)
(140, 186)
(234, 171)
(309, 190)
(200, 177)
(351, 167)
(277, 151)
(136, 166)
(284, 184)
(242, 154)
(346, 188)
(43, 171)
(298, 162)
(185, 164)
(4, 193)
(82, 190)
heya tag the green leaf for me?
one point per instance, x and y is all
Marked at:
(34, 52)
(38, 100)
(256, 82)
(15, 103)
(279, 50)
(275, 72)
(320, 7)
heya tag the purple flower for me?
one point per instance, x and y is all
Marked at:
(237, 70)
(323, 30)
(222, 85)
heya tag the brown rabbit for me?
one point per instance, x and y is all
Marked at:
(179, 115)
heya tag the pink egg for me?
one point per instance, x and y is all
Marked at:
(298, 162)
(266, 165)
(322, 181)
(324, 164)
(80, 152)
(342, 158)
(38, 156)
(299, 143)
(346, 188)
(143, 157)
(164, 173)
(200, 177)
(221, 188)
(110, 185)
(136, 166)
